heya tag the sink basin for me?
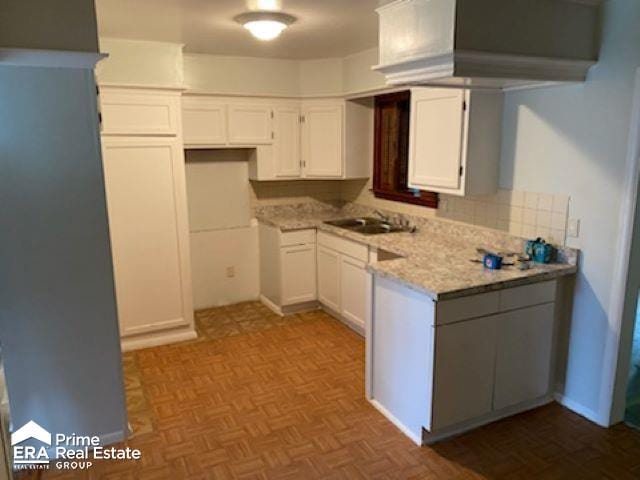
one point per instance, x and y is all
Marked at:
(373, 229)
(367, 226)
(355, 222)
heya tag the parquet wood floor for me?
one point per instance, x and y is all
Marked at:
(285, 400)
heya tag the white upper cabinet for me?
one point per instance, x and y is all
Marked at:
(314, 139)
(139, 112)
(454, 141)
(437, 119)
(322, 139)
(250, 124)
(286, 144)
(204, 122)
(219, 122)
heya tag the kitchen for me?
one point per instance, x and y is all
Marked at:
(419, 188)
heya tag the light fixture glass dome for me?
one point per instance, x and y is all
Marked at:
(265, 26)
(265, 29)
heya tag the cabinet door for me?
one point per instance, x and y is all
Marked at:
(298, 274)
(523, 358)
(204, 122)
(131, 112)
(146, 200)
(436, 139)
(464, 371)
(322, 141)
(250, 124)
(353, 289)
(287, 141)
(329, 278)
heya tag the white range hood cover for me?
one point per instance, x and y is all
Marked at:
(488, 43)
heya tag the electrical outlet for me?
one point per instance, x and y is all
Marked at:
(573, 228)
(231, 272)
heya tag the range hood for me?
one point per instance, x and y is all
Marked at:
(500, 44)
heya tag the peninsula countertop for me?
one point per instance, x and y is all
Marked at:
(436, 260)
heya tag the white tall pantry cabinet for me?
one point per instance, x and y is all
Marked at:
(143, 162)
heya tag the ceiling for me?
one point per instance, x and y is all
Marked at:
(325, 28)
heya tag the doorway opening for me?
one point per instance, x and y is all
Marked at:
(632, 408)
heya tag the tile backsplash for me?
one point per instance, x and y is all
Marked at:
(525, 214)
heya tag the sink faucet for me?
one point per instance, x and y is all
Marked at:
(382, 216)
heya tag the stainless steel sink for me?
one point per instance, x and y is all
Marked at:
(355, 222)
(368, 226)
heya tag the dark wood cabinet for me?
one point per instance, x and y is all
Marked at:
(391, 151)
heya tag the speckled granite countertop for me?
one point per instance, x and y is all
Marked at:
(436, 260)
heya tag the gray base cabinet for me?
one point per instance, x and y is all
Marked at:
(438, 368)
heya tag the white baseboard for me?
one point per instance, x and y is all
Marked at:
(300, 307)
(270, 305)
(580, 409)
(289, 309)
(417, 439)
(157, 338)
(359, 329)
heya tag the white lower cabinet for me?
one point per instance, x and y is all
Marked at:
(298, 281)
(483, 356)
(523, 358)
(343, 280)
(463, 377)
(329, 278)
(287, 268)
(353, 289)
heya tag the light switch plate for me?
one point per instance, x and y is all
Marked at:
(573, 228)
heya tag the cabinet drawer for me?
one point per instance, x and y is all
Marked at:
(527, 295)
(449, 311)
(136, 113)
(297, 237)
(346, 247)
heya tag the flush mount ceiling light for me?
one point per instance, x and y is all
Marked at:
(265, 25)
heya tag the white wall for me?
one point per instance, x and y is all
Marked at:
(141, 62)
(357, 75)
(158, 63)
(573, 140)
(58, 321)
(241, 75)
(323, 76)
